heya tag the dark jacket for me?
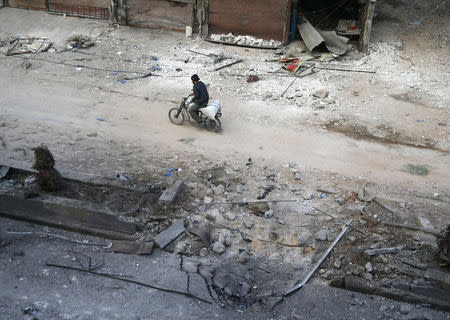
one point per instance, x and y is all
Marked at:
(201, 95)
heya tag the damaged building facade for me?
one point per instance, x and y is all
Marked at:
(270, 23)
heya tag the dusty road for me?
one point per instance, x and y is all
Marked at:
(371, 131)
(60, 113)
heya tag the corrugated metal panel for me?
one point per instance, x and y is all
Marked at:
(28, 4)
(165, 14)
(265, 19)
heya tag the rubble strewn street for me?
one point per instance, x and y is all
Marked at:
(341, 159)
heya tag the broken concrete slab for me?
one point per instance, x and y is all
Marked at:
(132, 247)
(258, 207)
(67, 213)
(170, 234)
(3, 171)
(170, 194)
(442, 277)
(425, 223)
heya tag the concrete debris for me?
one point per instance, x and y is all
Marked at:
(322, 94)
(207, 199)
(442, 277)
(268, 214)
(443, 242)
(306, 239)
(234, 281)
(363, 195)
(219, 247)
(170, 194)
(243, 257)
(28, 45)
(425, 223)
(307, 194)
(203, 231)
(244, 41)
(3, 171)
(369, 267)
(219, 190)
(258, 207)
(356, 269)
(247, 223)
(322, 235)
(170, 234)
(132, 247)
(230, 216)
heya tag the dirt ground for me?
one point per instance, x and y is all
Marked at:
(369, 134)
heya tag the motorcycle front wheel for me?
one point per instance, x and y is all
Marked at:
(176, 116)
(213, 125)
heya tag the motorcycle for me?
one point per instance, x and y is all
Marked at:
(209, 115)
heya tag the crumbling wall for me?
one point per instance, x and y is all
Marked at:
(201, 17)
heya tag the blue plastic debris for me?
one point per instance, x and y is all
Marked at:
(100, 119)
(115, 72)
(243, 306)
(171, 172)
(419, 120)
(417, 23)
(323, 195)
(155, 68)
(154, 58)
(122, 81)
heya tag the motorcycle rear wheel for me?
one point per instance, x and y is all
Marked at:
(213, 125)
(178, 120)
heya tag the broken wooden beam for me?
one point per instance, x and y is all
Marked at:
(367, 29)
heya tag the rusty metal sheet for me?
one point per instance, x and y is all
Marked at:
(265, 19)
(163, 14)
(96, 9)
(28, 4)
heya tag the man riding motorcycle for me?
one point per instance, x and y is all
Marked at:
(201, 98)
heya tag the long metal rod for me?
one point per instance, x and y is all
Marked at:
(317, 265)
(228, 65)
(337, 219)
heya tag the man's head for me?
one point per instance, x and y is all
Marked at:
(195, 78)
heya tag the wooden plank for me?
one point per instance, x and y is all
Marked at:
(367, 29)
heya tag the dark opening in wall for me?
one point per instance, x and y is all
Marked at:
(325, 14)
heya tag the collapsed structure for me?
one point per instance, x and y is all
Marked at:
(273, 21)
